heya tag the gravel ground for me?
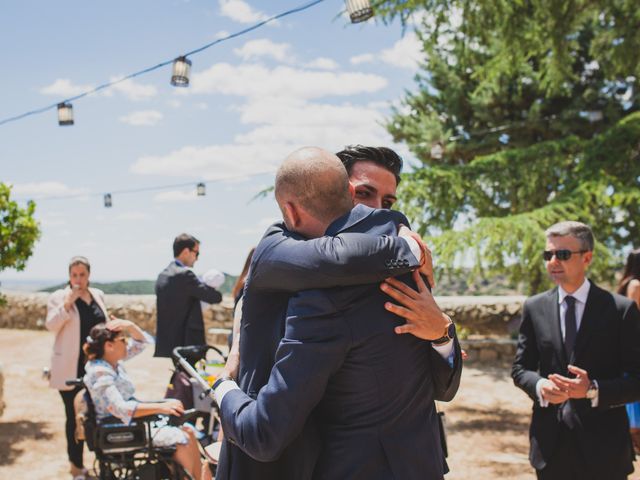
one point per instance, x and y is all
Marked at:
(487, 422)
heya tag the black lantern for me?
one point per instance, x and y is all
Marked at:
(107, 200)
(65, 114)
(359, 10)
(201, 189)
(180, 72)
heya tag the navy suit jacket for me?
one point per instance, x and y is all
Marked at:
(340, 347)
(283, 263)
(178, 296)
(608, 348)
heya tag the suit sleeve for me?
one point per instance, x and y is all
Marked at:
(618, 391)
(196, 288)
(446, 378)
(527, 362)
(292, 264)
(312, 350)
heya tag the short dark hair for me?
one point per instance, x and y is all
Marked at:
(573, 229)
(383, 156)
(182, 241)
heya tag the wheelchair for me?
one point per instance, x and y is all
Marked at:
(126, 452)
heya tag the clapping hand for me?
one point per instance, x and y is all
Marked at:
(573, 387)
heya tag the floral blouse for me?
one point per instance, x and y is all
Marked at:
(111, 390)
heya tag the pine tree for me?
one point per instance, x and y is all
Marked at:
(526, 113)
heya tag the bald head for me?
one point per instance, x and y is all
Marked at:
(316, 180)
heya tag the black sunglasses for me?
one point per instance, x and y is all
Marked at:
(561, 255)
(197, 252)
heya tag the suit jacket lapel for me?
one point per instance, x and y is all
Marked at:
(553, 313)
(590, 319)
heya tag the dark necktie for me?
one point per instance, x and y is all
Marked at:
(570, 326)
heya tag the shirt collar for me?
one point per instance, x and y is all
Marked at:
(179, 263)
(580, 294)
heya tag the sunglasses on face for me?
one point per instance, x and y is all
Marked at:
(197, 252)
(561, 255)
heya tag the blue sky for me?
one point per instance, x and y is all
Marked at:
(310, 79)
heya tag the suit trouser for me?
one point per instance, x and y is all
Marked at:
(74, 449)
(567, 462)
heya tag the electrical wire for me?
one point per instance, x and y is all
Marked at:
(141, 189)
(162, 64)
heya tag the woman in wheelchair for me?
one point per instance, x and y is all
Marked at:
(112, 392)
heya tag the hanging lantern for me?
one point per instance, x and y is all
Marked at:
(437, 151)
(201, 189)
(107, 200)
(180, 72)
(359, 10)
(65, 114)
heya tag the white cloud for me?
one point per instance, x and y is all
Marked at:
(405, 53)
(64, 88)
(263, 47)
(176, 196)
(213, 162)
(364, 58)
(142, 118)
(252, 80)
(174, 103)
(45, 189)
(279, 126)
(202, 106)
(323, 63)
(240, 11)
(134, 90)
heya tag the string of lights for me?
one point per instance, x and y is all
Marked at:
(359, 11)
(200, 189)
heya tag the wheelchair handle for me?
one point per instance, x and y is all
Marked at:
(76, 382)
(186, 416)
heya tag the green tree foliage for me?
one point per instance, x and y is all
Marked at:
(19, 231)
(535, 105)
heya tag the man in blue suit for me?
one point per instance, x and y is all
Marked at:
(339, 348)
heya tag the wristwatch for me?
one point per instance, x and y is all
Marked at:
(449, 334)
(219, 380)
(592, 391)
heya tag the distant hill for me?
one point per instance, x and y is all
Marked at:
(140, 287)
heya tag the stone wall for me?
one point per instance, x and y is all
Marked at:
(490, 350)
(477, 316)
(480, 315)
(29, 310)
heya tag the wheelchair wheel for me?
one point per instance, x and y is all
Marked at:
(161, 470)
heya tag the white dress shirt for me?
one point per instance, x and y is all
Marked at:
(580, 295)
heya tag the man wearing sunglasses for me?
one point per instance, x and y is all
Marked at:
(578, 358)
(178, 296)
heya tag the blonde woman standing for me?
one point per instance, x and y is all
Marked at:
(71, 314)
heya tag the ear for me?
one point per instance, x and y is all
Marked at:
(291, 215)
(588, 256)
